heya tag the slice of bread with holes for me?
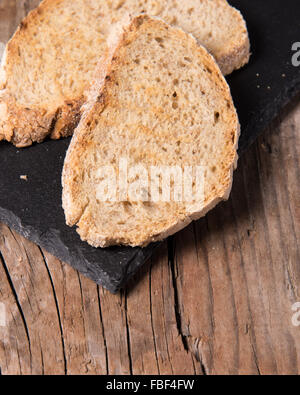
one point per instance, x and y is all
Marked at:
(50, 61)
(160, 103)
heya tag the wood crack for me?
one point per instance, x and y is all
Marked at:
(252, 341)
(204, 368)
(172, 264)
(14, 293)
(42, 360)
(103, 331)
(127, 332)
(255, 356)
(151, 317)
(58, 312)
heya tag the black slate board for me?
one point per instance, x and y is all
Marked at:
(33, 208)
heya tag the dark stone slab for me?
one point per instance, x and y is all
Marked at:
(33, 207)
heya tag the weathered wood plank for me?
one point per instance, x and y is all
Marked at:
(173, 355)
(156, 342)
(243, 262)
(113, 308)
(15, 355)
(80, 325)
(30, 298)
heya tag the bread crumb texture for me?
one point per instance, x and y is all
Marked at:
(160, 100)
(50, 61)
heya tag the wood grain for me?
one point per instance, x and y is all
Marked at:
(216, 299)
(244, 257)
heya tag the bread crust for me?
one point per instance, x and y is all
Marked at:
(238, 54)
(22, 125)
(25, 126)
(74, 212)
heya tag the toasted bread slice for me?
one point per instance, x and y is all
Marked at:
(161, 101)
(50, 61)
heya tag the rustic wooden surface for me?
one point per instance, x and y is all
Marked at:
(217, 299)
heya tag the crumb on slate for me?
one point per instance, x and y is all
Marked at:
(24, 178)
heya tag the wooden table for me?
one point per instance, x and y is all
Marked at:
(216, 300)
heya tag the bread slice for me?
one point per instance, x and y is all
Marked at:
(49, 63)
(160, 100)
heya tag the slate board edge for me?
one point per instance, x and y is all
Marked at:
(102, 278)
(10, 219)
